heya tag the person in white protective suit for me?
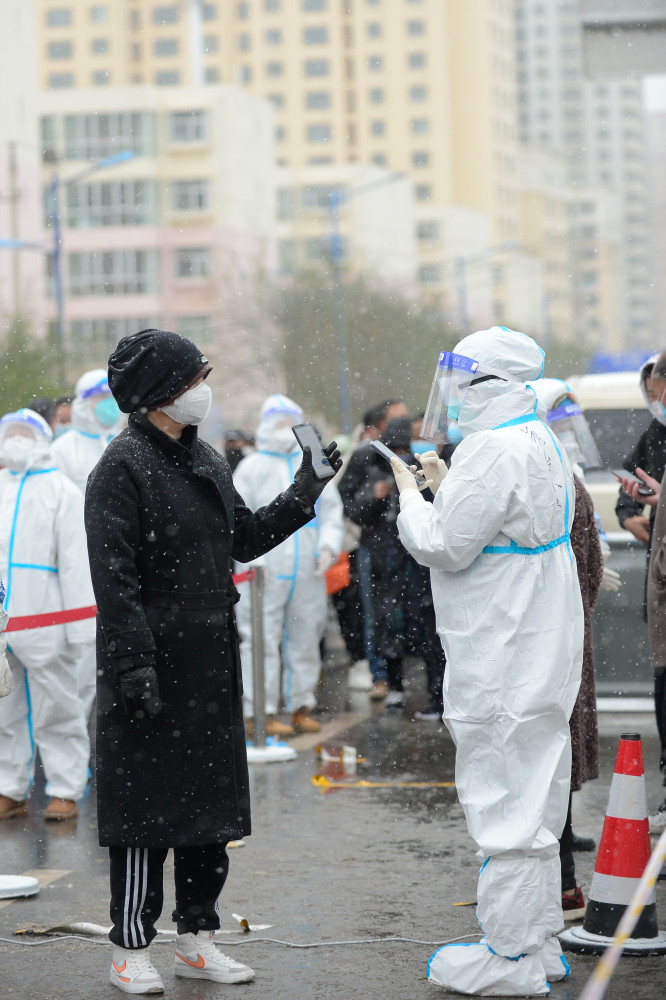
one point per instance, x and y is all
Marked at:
(96, 420)
(509, 612)
(44, 561)
(295, 590)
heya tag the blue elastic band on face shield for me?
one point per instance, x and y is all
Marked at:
(564, 411)
(458, 361)
(100, 388)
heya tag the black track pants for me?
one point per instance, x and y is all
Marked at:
(137, 891)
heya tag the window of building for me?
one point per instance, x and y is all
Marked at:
(211, 74)
(318, 99)
(113, 272)
(313, 161)
(375, 63)
(319, 195)
(273, 69)
(418, 93)
(427, 230)
(277, 100)
(101, 78)
(210, 43)
(315, 36)
(377, 128)
(423, 192)
(420, 158)
(195, 327)
(285, 203)
(188, 126)
(190, 196)
(430, 274)
(166, 46)
(58, 81)
(165, 14)
(317, 249)
(246, 74)
(59, 17)
(193, 262)
(242, 10)
(272, 6)
(373, 29)
(93, 136)
(209, 12)
(416, 60)
(273, 36)
(318, 133)
(109, 330)
(60, 50)
(316, 67)
(420, 126)
(111, 203)
(136, 51)
(167, 78)
(379, 159)
(416, 27)
(314, 4)
(100, 46)
(244, 42)
(376, 95)
(99, 13)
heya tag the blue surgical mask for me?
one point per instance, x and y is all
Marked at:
(107, 411)
(662, 409)
(419, 447)
(61, 429)
(453, 433)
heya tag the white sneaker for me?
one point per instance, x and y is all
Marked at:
(658, 821)
(394, 699)
(133, 972)
(198, 958)
(359, 677)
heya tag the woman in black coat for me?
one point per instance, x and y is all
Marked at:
(164, 523)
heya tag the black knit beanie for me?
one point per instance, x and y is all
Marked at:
(150, 367)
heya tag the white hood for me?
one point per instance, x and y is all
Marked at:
(278, 414)
(83, 415)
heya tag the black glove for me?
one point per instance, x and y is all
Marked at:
(308, 488)
(140, 692)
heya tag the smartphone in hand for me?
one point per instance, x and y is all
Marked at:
(307, 437)
(644, 490)
(386, 453)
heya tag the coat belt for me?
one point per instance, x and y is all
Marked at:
(190, 602)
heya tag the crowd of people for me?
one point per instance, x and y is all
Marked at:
(487, 573)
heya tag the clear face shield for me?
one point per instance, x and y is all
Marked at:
(456, 374)
(569, 424)
(22, 441)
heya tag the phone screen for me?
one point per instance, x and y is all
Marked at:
(386, 453)
(307, 437)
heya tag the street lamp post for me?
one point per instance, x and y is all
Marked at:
(335, 199)
(55, 219)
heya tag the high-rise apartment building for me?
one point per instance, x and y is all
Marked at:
(598, 127)
(422, 86)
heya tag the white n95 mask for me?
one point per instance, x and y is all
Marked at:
(17, 453)
(192, 407)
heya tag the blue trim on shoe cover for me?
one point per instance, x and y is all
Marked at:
(567, 967)
(458, 944)
(507, 957)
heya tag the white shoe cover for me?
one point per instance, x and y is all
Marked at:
(554, 963)
(475, 970)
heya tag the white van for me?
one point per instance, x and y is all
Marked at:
(616, 412)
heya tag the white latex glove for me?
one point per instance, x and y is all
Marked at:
(610, 579)
(5, 669)
(324, 562)
(434, 467)
(407, 487)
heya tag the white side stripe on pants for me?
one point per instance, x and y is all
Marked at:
(136, 886)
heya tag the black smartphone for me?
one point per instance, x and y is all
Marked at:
(644, 490)
(307, 437)
(386, 453)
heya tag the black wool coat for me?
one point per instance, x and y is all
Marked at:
(164, 522)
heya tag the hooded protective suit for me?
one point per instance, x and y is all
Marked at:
(294, 596)
(76, 454)
(44, 562)
(510, 617)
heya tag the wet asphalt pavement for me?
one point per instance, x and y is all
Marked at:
(346, 865)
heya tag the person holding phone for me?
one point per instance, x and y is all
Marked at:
(164, 523)
(295, 590)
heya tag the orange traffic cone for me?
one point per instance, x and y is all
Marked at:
(624, 852)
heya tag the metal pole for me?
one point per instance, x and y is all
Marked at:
(339, 304)
(57, 275)
(14, 219)
(258, 682)
(461, 282)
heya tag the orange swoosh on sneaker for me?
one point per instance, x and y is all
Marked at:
(199, 964)
(119, 968)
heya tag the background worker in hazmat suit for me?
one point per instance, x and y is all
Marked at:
(44, 561)
(508, 607)
(96, 420)
(295, 590)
